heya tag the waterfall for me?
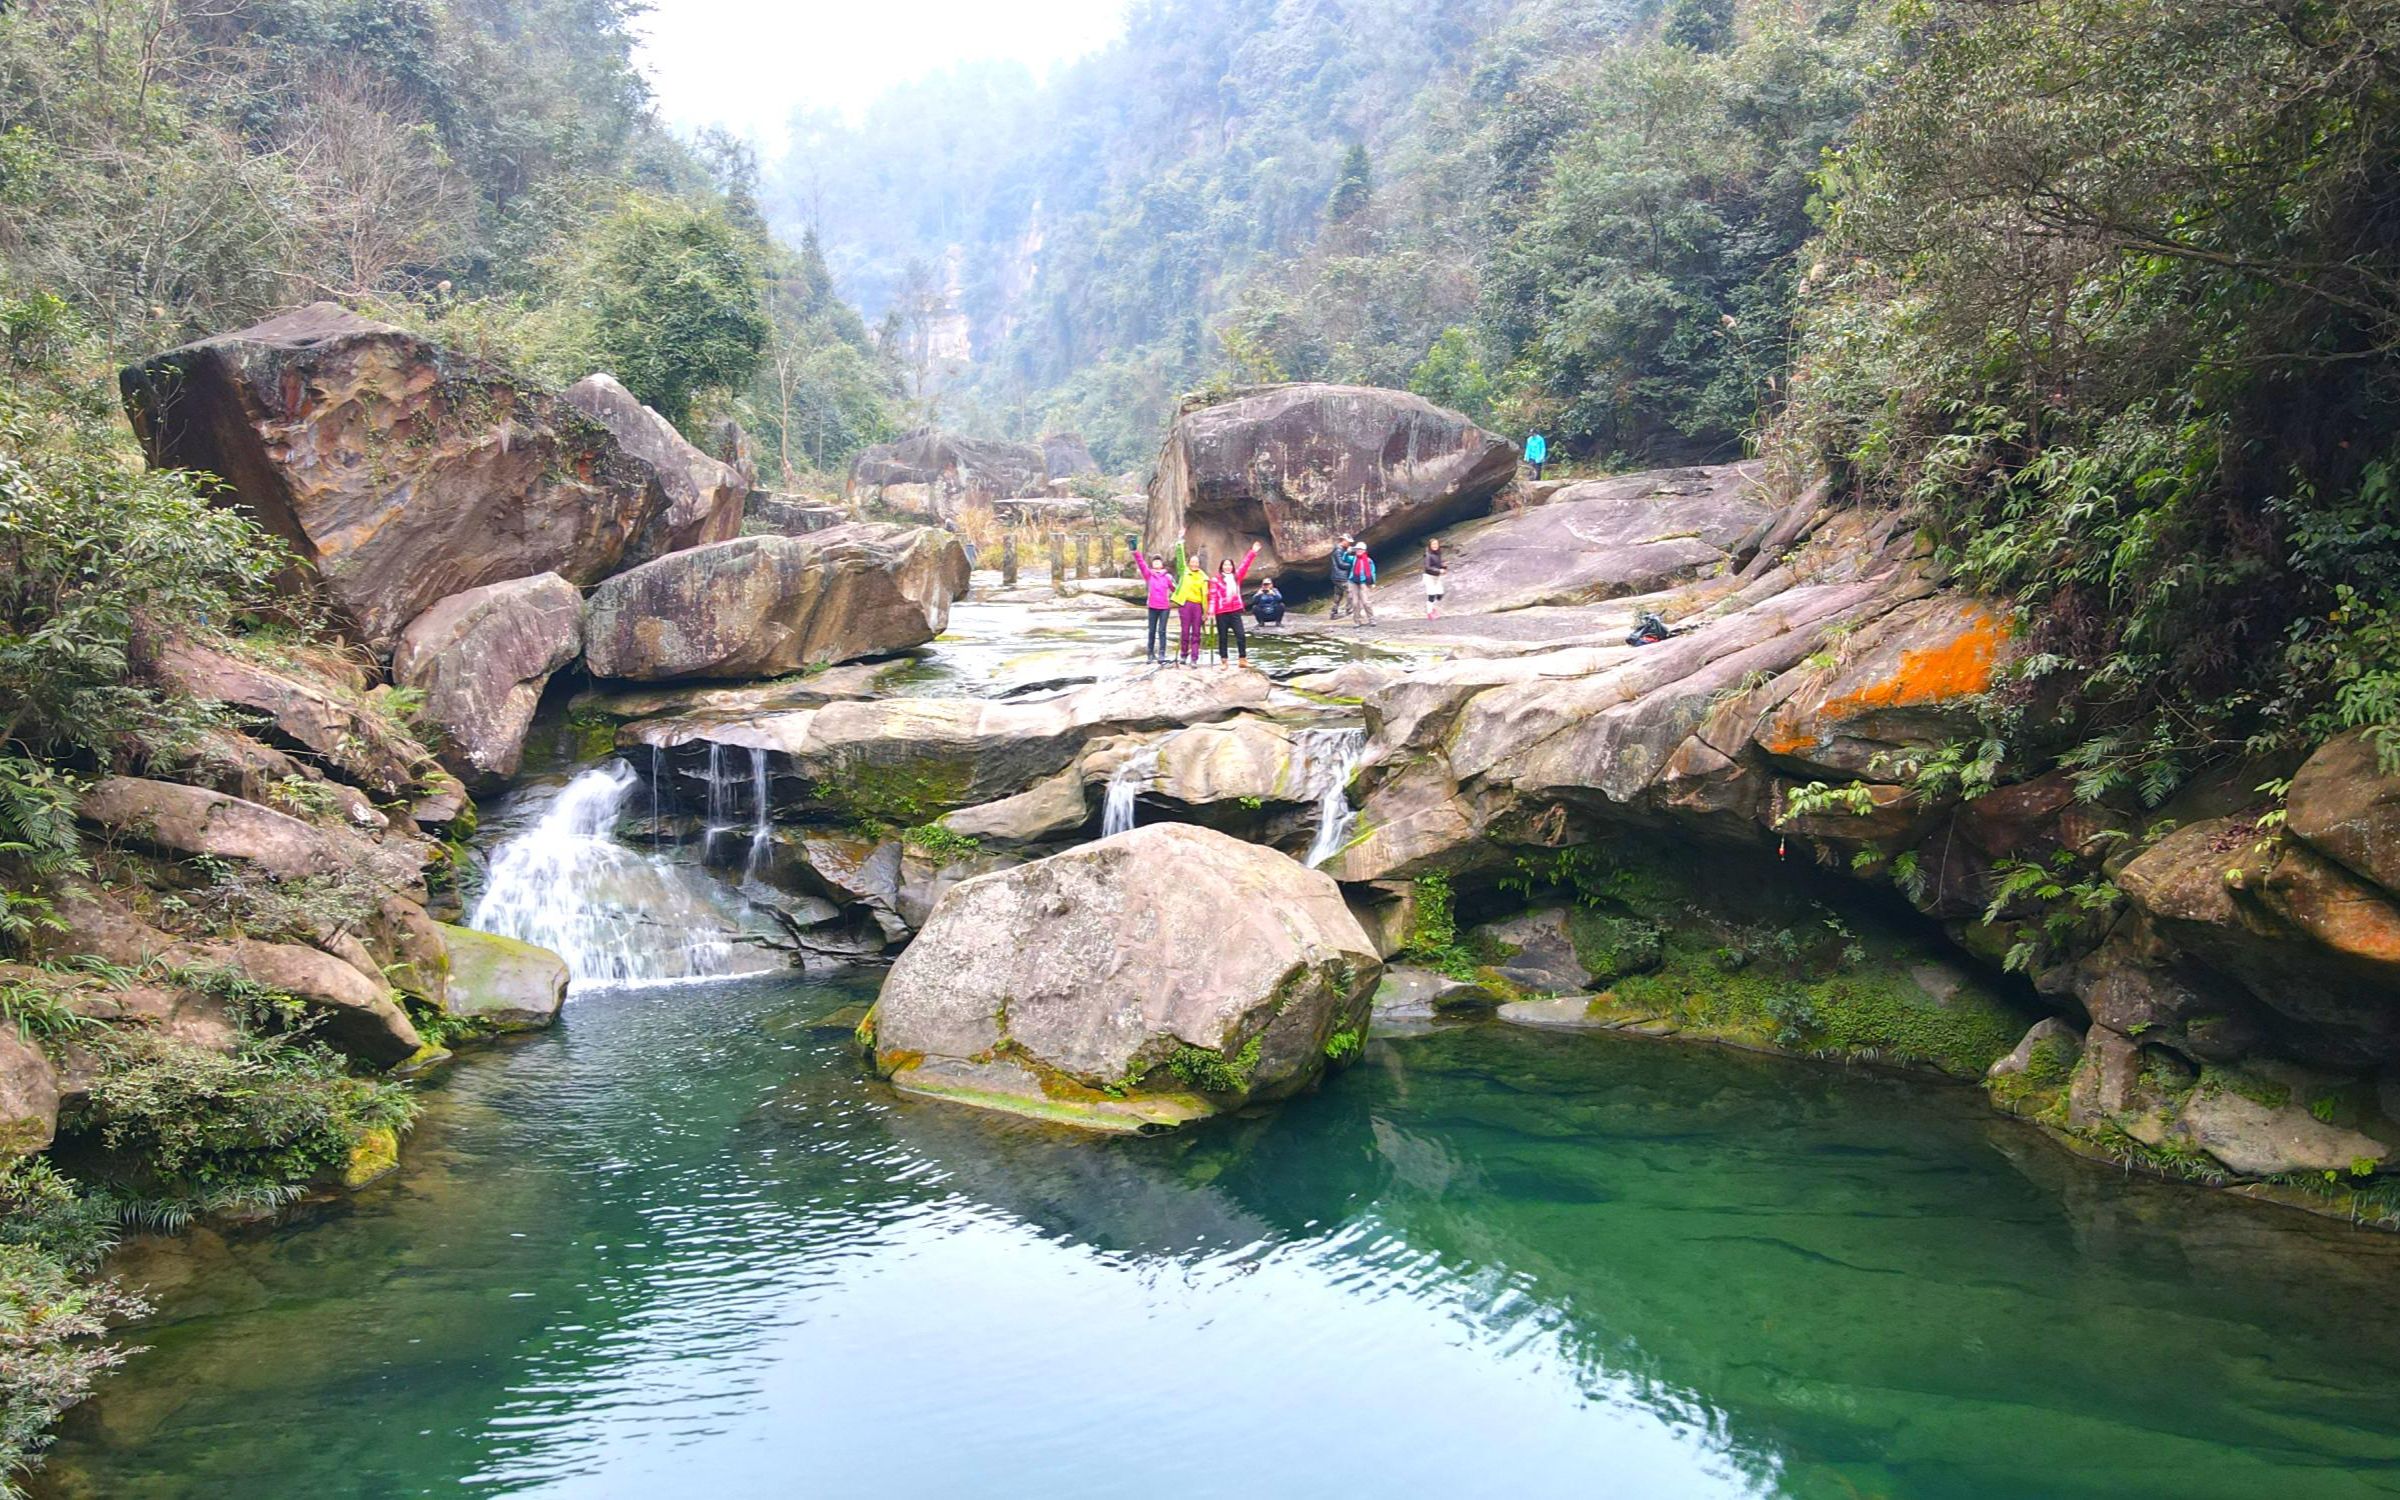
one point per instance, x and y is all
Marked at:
(761, 803)
(616, 916)
(1324, 760)
(719, 818)
(1125, 787)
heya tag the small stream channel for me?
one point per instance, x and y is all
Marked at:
(683, 1245)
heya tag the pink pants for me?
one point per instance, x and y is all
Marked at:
(1189, 620)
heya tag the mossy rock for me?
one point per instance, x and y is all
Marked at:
(1612, 946)
(499, 983)
(373, 1155)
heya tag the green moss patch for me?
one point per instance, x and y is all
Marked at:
(909, 795)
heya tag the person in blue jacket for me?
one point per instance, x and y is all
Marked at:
(1537, 453)
(1267, 606)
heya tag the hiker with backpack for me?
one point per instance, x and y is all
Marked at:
(1337, 572)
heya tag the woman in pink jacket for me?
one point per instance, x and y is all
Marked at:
(1162, 605)
(1225, 603)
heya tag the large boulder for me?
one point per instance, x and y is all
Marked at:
(2345, 807)
(1066, 456)
(943, 474)
(302, 711)
(1293, 467)
(764, 606)
(481, 659)
(906, 761)
(704, 496)
(1897, 689)
(357, 1015)
(1141, 981)
(398, 471)
(499, 982)
(2316, 947)
(789, 515)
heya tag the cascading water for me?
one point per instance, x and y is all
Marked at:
(616, 916)
(761, 805)
(1125, 788)
(1325, 760)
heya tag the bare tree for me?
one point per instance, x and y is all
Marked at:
(381, 201)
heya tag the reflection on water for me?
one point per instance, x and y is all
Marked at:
(683, 1248)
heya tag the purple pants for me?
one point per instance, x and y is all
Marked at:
(1190, 619)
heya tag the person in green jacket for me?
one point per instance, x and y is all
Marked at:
(1191, 604)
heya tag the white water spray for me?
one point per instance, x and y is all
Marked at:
(615, 916)
(1324, 761)
(1125, 788)
(761, 828)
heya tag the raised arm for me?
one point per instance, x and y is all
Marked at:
(1241, 574)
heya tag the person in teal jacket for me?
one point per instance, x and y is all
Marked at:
(1537, 453)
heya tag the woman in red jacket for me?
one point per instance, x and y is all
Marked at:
(1225, 603)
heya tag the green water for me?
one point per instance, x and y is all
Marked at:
(680, 1247)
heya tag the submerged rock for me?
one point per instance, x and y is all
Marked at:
(481, 659)
(1159, 976)
(764, 606)
(398, 471)
(1295, 466)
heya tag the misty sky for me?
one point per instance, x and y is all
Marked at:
(747, 64)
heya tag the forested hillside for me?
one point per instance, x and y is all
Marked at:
(1582, 217)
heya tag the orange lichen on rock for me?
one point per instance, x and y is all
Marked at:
(1959, 667)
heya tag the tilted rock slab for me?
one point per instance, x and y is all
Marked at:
(764, 606)
(1134, 983)
(705, 497)
(905, 761)
(481, 659)
(1602, 539)
(1293, 467)
(399, 472)
(192, 820)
